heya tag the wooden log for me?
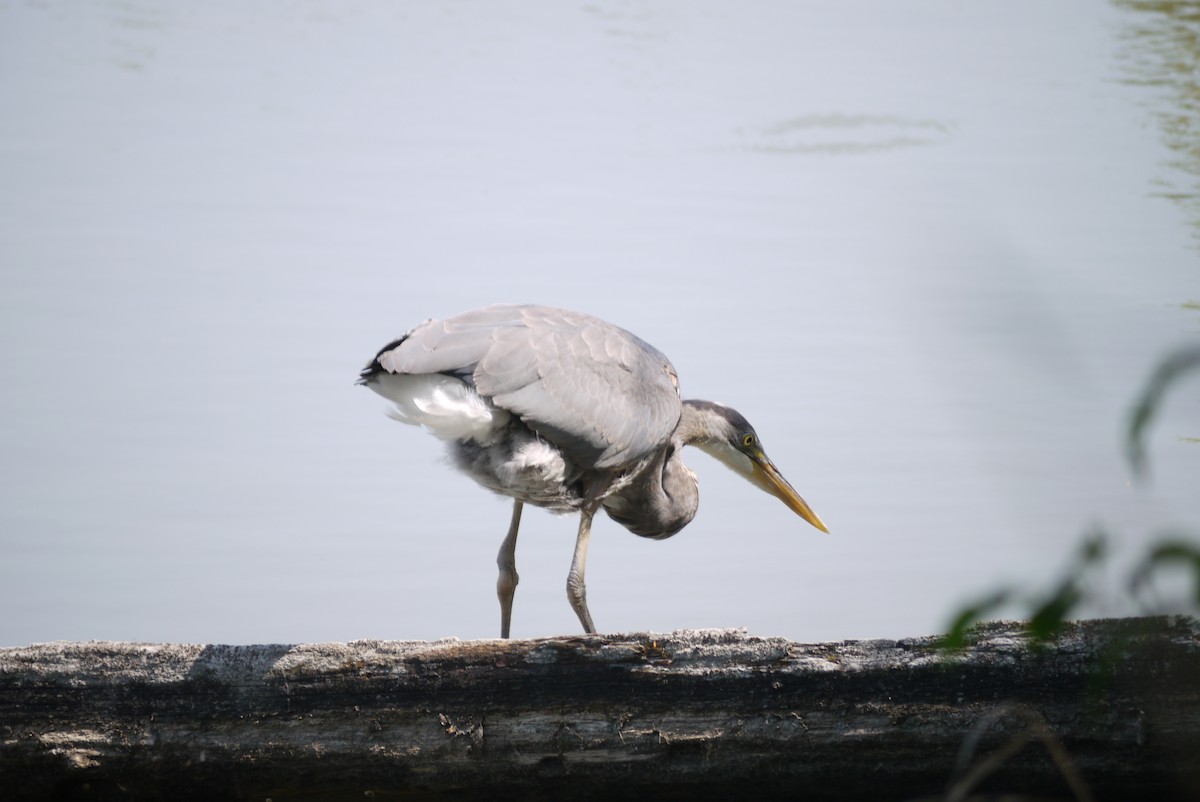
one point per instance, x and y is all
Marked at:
(1111, 709)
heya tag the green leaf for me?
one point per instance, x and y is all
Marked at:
(969, 616)
(1168, 371)
(1171, 552)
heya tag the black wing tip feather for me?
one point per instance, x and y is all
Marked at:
(373, 368)
(369, 372)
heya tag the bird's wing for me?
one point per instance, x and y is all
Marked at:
(602, 395)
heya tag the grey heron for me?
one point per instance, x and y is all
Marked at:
(565, 411)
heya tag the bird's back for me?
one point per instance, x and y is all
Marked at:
(601, 395)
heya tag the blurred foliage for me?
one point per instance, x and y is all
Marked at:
(1167, 553)
(1168, 371)
(1049, 611)
(1161, 53)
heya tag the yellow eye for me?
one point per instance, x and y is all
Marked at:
(747, 440)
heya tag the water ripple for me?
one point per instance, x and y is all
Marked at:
(842, 134)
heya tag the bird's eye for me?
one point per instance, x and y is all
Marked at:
(747, 440)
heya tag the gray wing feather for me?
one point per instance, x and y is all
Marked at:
(455, 345)
(602, 395)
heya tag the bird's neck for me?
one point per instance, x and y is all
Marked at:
(700, 424)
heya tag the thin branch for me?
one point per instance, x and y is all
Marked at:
(1035, 727)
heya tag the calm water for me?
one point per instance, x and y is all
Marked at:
(930, 249)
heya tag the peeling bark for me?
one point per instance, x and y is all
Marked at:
(1111, 706)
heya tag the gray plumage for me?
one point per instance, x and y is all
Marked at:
(562, 410)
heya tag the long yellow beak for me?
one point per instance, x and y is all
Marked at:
(768, 477)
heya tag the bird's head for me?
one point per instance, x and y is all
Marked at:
(725, 434)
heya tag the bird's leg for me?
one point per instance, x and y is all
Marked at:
(576, 590)
(506, 560)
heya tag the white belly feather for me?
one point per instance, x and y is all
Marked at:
(446, 406)
(485, 442)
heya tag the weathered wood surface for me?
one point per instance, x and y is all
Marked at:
(690, 715)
